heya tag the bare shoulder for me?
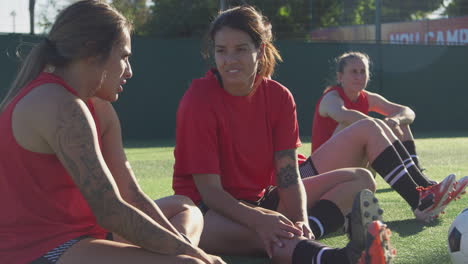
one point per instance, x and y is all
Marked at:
(36, 115)
(331, 95)
(330, 101)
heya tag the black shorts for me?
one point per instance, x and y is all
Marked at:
(53, 255)
(307, 169)
(269, 200)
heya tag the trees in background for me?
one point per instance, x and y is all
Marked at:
(457, 8)
(290, 18)
(180, 18)
(135, 10)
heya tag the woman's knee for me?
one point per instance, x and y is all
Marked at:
(385, 128)
(366, 178)
(183, 200)
(187, 204)
(368, 126)
(176, 204)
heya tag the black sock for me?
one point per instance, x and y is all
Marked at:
(310, 251)
(390, 166)
(410, 163)
(325, 217)
(411, 148)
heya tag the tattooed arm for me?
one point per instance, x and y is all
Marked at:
(116, 161)
(69, 130)
(290, 187)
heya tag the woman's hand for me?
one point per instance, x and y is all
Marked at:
(306, 232)
(272, 227)
(394, 125)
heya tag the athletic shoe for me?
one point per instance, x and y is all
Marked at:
(459, 187)
(378, 249)
(434, 199)
(458, 190)
(365, 210)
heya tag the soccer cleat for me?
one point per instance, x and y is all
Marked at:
(378, 249)
(459, 187)
(365, 210)
(458, 190)
(434, 199)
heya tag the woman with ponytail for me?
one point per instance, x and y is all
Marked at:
(67, 191)
(235, 156)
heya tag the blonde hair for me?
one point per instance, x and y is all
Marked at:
(87, 28)
(252, 22)
(343, 59)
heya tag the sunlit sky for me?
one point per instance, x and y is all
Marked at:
(20, 22)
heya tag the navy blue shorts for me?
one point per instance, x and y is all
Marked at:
(53, 255)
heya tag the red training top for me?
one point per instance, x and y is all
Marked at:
(41, 205)
(232, 136)
(323, 127)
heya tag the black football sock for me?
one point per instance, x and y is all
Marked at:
(390, 166)
(410, 164)
(325, 217)
(310, 251)
(411, 148)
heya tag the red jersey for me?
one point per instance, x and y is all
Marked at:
(232, 136)
(41, 205)
(323, 127)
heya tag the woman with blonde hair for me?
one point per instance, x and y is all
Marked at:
(344, 135)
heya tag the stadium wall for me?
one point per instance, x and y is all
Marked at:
(430, 79)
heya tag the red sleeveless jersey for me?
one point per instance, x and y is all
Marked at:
(323, 127)
(41, 207)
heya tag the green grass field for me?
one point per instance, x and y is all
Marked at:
(414, 241)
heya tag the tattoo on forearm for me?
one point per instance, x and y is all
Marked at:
(287, 173)
(74, 139)
(287, 176)
(289, 153)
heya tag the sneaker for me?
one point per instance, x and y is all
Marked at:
(378, 249)
(434, 199)
(365, 210)
(458, 190)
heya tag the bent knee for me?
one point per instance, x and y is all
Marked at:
(184, 200)
(370, 125)
(366, 178)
